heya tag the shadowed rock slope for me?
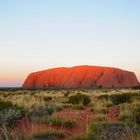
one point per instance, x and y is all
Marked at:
(81, 77)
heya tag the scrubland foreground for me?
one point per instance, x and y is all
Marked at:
(102, 114)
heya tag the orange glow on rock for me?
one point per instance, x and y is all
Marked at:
(81, 77)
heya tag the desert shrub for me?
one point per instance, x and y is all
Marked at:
(42, 114)
(109, 131)
(94, 132)
(56, 121)
(46, 135)
(79, 99)
(136, 95)
(121, 98)
(49, 98)
(9, 113)
(43, 111)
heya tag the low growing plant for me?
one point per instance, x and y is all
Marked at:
(56, 121)
(9, 113)
(121, 98)
(79, 99)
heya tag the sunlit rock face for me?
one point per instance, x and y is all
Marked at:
(81, 77)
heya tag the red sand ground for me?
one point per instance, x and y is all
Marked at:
(83, 118)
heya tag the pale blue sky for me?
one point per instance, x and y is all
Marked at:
(40, 34)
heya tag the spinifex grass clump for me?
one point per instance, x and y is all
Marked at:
(79, 99)
(44, 111)
(9, 113)
(42, 114)
(100, 106)
(121, 98)
(56, 121)
(109, 131)
(130, 115)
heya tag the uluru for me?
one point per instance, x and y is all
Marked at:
(81, 77)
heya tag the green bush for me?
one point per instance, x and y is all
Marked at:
(9, 113)
(79, 99)
(44, 111)
(108, 131)
(121, 98)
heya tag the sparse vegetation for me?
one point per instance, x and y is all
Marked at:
(109, 131)
(79, 99)
(44, 111)
(56, 121)
(38, 114)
